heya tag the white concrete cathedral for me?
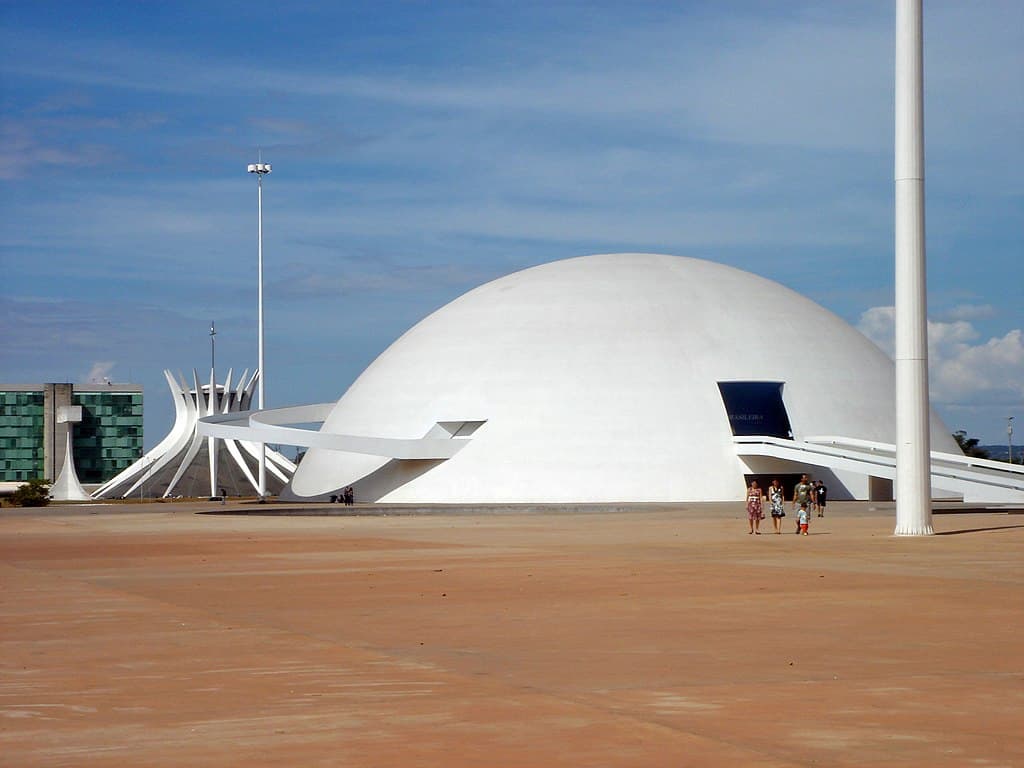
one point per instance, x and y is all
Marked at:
(621, 377)
(181, 463)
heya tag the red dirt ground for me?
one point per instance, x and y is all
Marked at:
(650, 638)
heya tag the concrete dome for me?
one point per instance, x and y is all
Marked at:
(596, 379)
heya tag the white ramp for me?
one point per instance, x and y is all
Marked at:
(978, 480)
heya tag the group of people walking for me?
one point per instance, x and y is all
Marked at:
(346, 497)
(807, 496)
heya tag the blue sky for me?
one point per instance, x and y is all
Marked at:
(420, 149)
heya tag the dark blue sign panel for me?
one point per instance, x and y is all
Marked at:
(756, 408)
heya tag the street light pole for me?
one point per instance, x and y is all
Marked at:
(261, 169)
(211, 444)
(1009, 439)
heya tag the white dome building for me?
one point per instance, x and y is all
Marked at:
(611, 378)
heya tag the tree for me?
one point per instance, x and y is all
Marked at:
(34, 493)
(969, 445)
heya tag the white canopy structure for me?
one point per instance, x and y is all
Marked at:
(180, 464)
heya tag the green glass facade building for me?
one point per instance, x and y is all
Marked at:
(33, 430)
(21, 434)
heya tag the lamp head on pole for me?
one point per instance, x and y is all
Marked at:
(259, 168)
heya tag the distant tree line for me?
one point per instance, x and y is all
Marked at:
(969, 445)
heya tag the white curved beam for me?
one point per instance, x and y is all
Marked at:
(249, 389)
(176, 440)
(226, 405)
(236, 454)
(154, 459)
(196, 443)
(285, 464)
(253, 449)
(238, 404)
(267, 427)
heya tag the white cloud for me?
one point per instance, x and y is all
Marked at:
(969, 312)
(962, 369)
(388, 279)
(99, 373)
(793, 79)
(877, 323)
(26, 146)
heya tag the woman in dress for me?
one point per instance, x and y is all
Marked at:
(777, 500)
(755, 510)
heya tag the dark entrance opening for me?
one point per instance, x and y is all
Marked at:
(756, 408)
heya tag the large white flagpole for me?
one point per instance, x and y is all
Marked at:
(913, 464)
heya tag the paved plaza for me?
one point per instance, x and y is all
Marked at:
(153, 634)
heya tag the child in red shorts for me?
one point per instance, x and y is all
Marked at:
(804, 518)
